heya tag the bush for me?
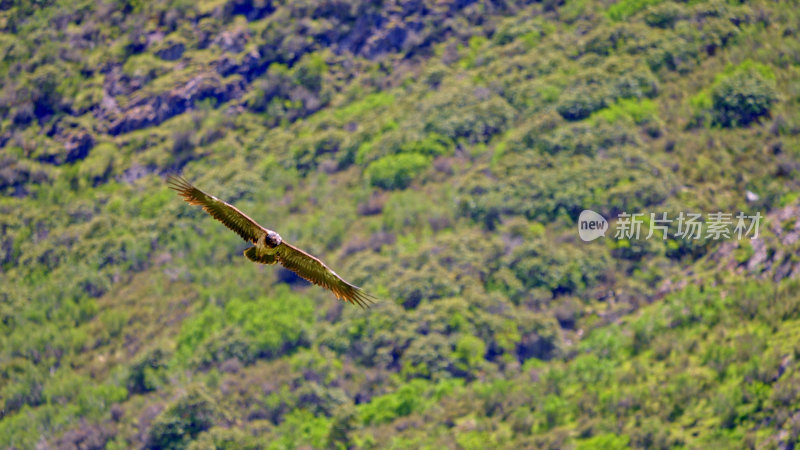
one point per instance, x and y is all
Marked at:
(737, 97)
(742, 98)
(428, 357)
(266, 327)
(225, 439)
(469, 353)
(635, 83)
(182, 421)
(663, 16)
(626, 8)
(403, 402)
(475, 123)
(396, 171)
(639, 111)
(580, 103)
(22, 384)
(224, 345)
(143, 375)
(434, 144)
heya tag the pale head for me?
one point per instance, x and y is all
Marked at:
(273, 239)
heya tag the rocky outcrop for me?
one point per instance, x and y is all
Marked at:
(158, 108)
(77, 147)
(14, 175)
(232, 41)
(251, 65)
(172, 51)
(77, 142)
(769, 257)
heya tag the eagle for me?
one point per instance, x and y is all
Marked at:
(269, 247)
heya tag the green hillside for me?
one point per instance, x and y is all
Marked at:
(437, 153)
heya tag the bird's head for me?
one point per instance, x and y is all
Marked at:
(273, 239)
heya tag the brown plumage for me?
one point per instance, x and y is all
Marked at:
(269, 247)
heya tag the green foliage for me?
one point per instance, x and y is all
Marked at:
(663, 15)
(396, 171)
(474, 123)
(469, 354)
(624, 9)
(224, 439)
(144, 374)
(609, 440)
(365, 106)
(193, 413)
(410, 398)
(578, 104)
(130, 319)
(267, 327)
(742, 97)
(639, 111)
(302, 428)
(739, 96)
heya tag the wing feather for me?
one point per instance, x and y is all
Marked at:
(231, 217)
(315, 271)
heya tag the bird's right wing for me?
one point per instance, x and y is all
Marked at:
(231, 217)
(315, 271)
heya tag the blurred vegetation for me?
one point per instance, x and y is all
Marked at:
(437, 153)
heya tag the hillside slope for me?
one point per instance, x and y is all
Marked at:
(437, 153)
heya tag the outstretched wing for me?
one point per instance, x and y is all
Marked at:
(231, 217)
(315, 271)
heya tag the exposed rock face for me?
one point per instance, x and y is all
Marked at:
(360, 28)
(86, 436)
(768, 257)
(232, 41)
(251, 65)
(172, 52)
(156, 109)
(77, 147)
(14, 175)
(77, 144)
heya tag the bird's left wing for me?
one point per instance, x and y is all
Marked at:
(231, 217)
(315, 271)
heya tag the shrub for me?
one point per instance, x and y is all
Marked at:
(396, 171)
(639, 112)
(403, 402)
(635, 83)
(469, 353)
(302, 429)
(266, 327)
(737, 97)
(580, 103)
(224, 345)
(408, 210)
(225, 439)
(626, 8)
(434, 144)
(22, 384)
(143, 375)
(607, 440)
(663, 16)
(186, 418)
(474, 123)
(428, 357)
(742, 98)
(678, 54)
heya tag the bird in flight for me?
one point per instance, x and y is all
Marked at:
(269, 248)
